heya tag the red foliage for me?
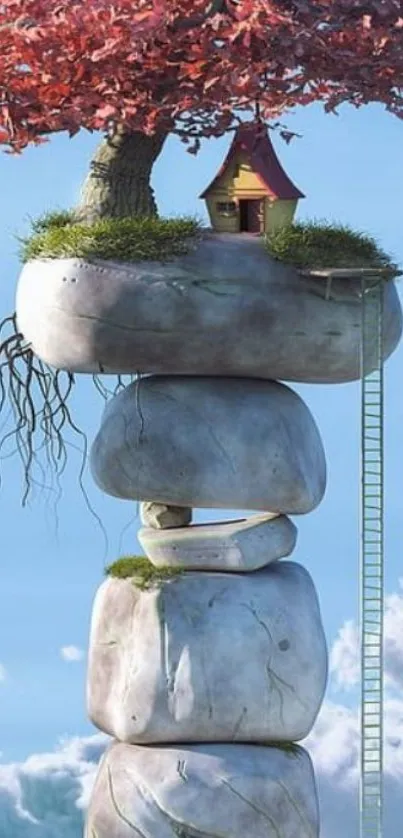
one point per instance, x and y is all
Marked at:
(188, 65)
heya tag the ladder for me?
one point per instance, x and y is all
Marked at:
(371, 560)
(369, 284)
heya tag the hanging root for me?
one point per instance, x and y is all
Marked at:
(38, 397)
(120, 384)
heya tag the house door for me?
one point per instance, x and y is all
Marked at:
(251, 216)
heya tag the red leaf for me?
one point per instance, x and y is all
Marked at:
(189, 65)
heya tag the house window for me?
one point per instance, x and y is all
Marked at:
(226, 207)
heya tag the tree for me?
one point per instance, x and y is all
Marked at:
(138, 71)
(183, 66)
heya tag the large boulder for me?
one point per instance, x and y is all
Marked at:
(203, 791)
(208, 657)
(224, 309)
(210, 442)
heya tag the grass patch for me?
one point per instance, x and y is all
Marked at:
(51, 220)
(145, 574)
(317, 244)
(57, 235)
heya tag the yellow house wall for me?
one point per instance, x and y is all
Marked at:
(237, 182)
(278, 213)
(222, 223)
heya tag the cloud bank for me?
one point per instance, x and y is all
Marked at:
(345, 653)
(45, 796)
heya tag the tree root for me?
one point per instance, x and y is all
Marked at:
(38, 397)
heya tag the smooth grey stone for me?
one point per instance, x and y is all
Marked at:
(224, 309)
(230, 545)
(209, 442)
(203, 791)
(159, 516)
(208, 657)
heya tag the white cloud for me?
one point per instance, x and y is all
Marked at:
(3, 673)
(345, 652)
(393, 627)
(71, 653)
(44, 796)
(334, 748)
(344, 656)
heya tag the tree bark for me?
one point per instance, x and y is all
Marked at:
(118, 184)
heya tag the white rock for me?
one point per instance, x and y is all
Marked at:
(226, 309)
(208, 657)
(210, 442)
(231, 545)
(204, 791)
(159, 516)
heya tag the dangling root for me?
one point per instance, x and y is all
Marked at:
(38, 399)
(38, 396)
(105, 392)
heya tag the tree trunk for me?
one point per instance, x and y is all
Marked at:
(118, 184)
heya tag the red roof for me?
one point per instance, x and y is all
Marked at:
(264, 161)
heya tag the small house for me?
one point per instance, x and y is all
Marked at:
(251, 192)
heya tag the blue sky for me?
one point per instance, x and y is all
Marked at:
(350, 168)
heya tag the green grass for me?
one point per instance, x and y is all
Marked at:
(317, 244)
(52, 219)
(145, 574)
(58, 235)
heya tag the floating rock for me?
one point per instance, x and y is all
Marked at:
(159, 516)
(208, 442)
(208, 657)
(225, 309)
(232, 545)
(204, 791)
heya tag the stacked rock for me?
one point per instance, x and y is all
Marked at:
(207, 679)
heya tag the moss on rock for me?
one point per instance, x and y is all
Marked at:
(60, 235)
(317, 244)
(144, 574)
